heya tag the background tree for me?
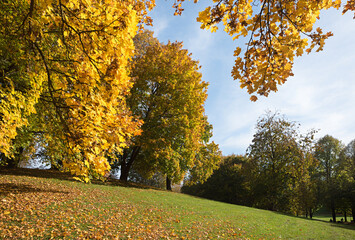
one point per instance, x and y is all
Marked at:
(274, 162)
(328, 152)
(348, 175)
(168, 95)
(226, 184)
(303, 198)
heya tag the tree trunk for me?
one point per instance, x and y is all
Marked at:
(127, 162)
(168, 184)
(353, 213)
(310, 213)
(124, 172)
(332, 206)
(345, 217)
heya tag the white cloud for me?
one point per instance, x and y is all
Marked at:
(160, 26)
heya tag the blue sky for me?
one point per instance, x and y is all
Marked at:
(321, 95)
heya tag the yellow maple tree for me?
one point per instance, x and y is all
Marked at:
(74, 61)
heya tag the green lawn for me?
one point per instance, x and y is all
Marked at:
(327, 217)
(44, 208)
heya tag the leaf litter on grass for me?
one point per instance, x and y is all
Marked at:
(35, 208)
(40, 208)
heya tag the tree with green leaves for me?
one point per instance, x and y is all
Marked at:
(328, 153)
(226, 184)
(278, 165)
(348, 175)
(168, 96)
(303, 196)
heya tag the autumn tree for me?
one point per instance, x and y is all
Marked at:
(276, 163)
(168, 95)
(328, 152)
(20, 78)
(70, 57)
(276, 32)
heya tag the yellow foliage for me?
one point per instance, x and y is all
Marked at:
(277, 32)
(75, 71)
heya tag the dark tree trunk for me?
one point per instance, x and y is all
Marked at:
(306, 213)
(124, 172)
(168, 184)
(127, 161)
(310, 213)
(345, 217)
(353, 213)
(332, 206)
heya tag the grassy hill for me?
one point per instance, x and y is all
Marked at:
(45, 204)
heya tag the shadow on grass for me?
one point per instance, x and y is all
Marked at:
(12, 188)
(55, 174)
(345, 225)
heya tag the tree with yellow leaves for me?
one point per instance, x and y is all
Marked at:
(168, 95)
(71, 58)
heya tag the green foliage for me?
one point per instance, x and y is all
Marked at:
(328, 153)
(279, 164)
(348, 161)
(348, 178)
(226, 184)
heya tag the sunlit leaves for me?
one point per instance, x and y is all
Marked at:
(20, 79)
(277, 32)
(95, 41)
(168, 95)
(71, 58)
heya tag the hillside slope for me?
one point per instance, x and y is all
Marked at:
(41, 207)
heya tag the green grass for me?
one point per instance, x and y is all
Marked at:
(44, 208)
(327, 217)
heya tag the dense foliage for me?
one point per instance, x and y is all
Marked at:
(168, 95)
(69, 60)
(285, 171)
(226, 184)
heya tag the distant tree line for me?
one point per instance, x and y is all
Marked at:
(285, 171)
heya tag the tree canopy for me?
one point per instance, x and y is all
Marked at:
(279, 163)
(168, 95)
(71, 58)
